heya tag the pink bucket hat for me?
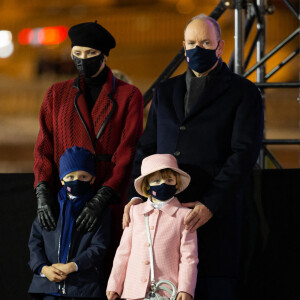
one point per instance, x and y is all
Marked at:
(158, 162)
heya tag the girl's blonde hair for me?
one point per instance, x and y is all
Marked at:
(164, 173)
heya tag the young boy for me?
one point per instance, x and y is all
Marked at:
(65, 262)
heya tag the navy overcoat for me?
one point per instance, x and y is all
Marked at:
(217, 143)
(87, 250)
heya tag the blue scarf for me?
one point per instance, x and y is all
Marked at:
(69, 210)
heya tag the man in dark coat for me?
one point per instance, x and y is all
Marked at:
(211, 120)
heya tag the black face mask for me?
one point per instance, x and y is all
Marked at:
(77, 187)
(88, 66)
(200, 59)
(163, 191)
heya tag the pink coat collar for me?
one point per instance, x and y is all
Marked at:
(169, 208)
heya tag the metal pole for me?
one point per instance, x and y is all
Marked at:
(272, 52)
(238, 38)
(260, 73)
(283, 63)
(281, 142)
(272, 158)
(260, 46)
(272, 85)
(292, 8)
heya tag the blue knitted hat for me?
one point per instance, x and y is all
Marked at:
(76, 159)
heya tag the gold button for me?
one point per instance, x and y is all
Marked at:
(147, 262)
(147, 245)
(145, 280)
(152, 227)
(156, 211)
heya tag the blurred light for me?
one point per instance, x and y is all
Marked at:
(6, 45)
(52, 35)
(5, 38)
(7, 50)
(25, 36)
(43, 36)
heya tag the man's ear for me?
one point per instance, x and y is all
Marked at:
(183, 44)
(220, 48)
(62, 182)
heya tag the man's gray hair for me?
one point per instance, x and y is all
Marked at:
(206, 18)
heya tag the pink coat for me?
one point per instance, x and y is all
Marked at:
(174, 247)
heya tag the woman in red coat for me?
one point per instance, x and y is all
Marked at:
(95, 111)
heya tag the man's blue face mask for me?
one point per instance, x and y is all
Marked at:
(200, 59)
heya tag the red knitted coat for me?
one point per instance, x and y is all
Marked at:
(109, 132)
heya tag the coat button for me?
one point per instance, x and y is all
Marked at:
(156, 211)
(147, 245)
(182, 127)
(151, 227)
(177, 153)
(144, 280)
(147, 262)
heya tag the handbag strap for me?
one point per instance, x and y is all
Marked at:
(157, 286)
(150, 250)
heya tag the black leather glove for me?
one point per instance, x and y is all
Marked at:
(93, 209)
(45, 206)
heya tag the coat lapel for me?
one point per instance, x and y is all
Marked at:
(104, 106)
(102, 111)
(216, 87)
(82, 109)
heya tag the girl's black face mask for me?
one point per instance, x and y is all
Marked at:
(163, 191)
(88, 66)
(77, 187)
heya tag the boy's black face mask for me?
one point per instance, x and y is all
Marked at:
(77, 187)
(88, 66)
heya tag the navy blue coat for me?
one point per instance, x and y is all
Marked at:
(217, 143)
(87, 250)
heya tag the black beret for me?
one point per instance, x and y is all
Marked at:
(92, 35)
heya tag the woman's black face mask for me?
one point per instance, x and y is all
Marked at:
(88, 66)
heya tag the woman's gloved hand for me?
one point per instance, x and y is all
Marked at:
(45, 206)
(93, 209)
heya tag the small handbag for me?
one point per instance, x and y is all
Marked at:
(165, 285)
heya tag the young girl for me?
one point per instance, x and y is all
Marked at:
(174, 247)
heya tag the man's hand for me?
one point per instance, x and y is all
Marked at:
(53, 274)
(197, 217)
(126, 217)
(45, 206)
(65, 268)
(184, 296)
(111, 295)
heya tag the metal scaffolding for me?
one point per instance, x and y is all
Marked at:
(245, 14)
